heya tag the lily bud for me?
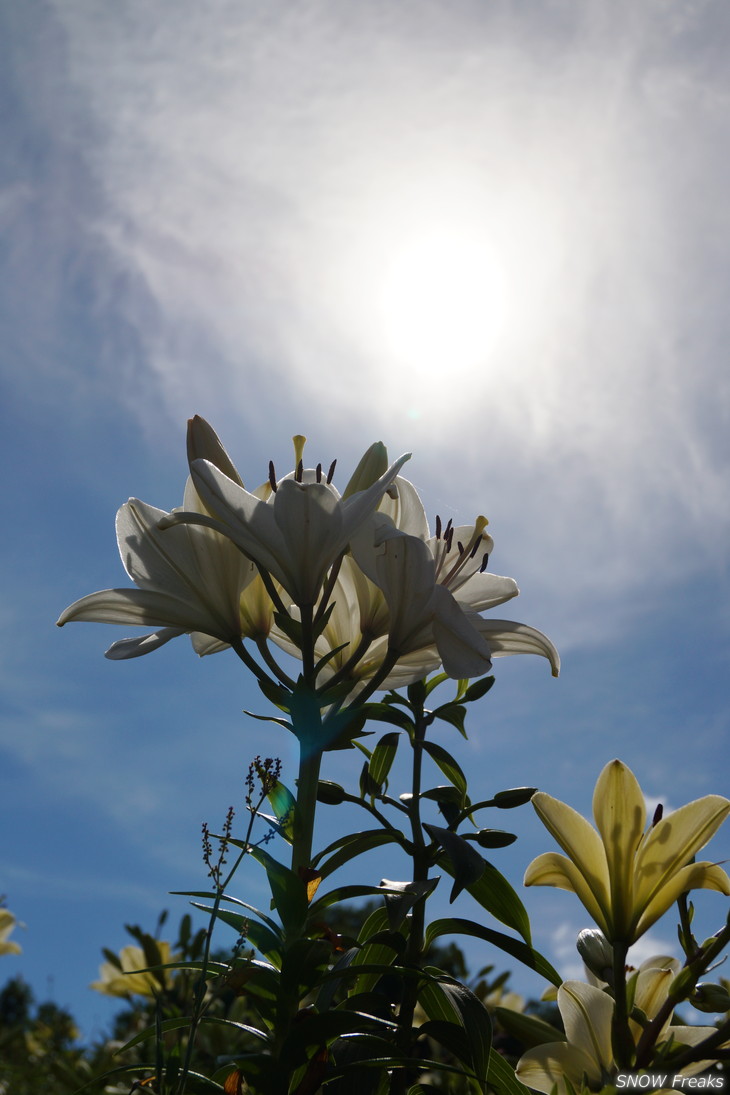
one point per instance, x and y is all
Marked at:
(597, 953)
(373, 464)
(516, 796)
(330, 793)
(710, 998)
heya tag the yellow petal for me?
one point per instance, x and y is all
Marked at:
(553, 869)
(546, 1068)
(579, 840)
(587, 1014)
(695, 876)
(620, 813)
(673, 842)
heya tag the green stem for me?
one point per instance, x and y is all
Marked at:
(304, 811)
(623, 1043)
(414, 948)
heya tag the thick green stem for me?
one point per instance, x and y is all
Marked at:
(623, 1043)
(307, 783)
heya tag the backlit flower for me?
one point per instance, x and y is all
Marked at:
(626, 877)
(130, 977)
(298, 533)
(7, 924)
(584, 1061)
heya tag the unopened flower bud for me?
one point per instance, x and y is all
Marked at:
(710, 998)
(597, 953)
(373, 464)
(330, 793)
(516, 796)
(493, 838)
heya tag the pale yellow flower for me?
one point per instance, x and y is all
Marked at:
(7, 925)
(130, 977)
(626, 877)
(585, 1059)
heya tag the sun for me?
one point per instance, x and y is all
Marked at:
(441, 300)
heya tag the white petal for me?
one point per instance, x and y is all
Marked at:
(463, 651)
(484, 591)
(144, 644)
(507, 637)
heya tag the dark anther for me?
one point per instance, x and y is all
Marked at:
(475, 549)
(438, 527)
(485, 562)
(319, 473)
(460, 547)
(448, 537)
(331, 472)
(299, 472)
(657, 815)
(272, 475)
(447, 529)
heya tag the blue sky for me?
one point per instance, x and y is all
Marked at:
(493, 234)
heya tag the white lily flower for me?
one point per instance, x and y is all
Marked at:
(584, 1061)
(416, 596)
(435, 587)
(191, 580)
(298, 534)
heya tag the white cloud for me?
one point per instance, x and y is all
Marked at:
(257, 168)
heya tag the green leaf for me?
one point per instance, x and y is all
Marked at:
(323, 1029)
(466, 865)
(530, 1030)
(348, 847)
(451, 1035)
(383, 757)
(306, 715)
(477, 1026)
(407, 894)
(502, 1078)
(292, 628)
(275, 693)
(283, 804)
(271, 718)
(453, 713)
(444, 793)
(384, 712)
(494, 893)
(447, 764)
(515, 947)
(342, 893)
(478, 689)
(417, 694)
(435, 681)
(287, 890)
(211, 896)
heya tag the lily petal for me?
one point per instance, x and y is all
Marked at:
(553, 869)
(587, 1014)
(620, 813)
(546, 1068)
(579, 841)
(508, 637)
(675, 840)
(143, 644)
(695, 876)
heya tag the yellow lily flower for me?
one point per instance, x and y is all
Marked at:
(626, 877)
(584, 1061)
(7, 924)
(130, 977)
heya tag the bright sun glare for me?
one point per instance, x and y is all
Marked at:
(442, 299)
